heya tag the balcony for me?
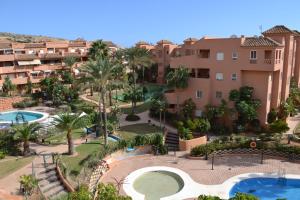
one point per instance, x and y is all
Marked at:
(26, 57)
(268, 61)
(253, 61)
(9, 57)
(20, 80)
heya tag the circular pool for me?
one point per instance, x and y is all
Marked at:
(157, 184)
(21, 116)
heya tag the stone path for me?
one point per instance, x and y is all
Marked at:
(292, 123)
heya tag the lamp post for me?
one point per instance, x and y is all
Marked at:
(212, 161)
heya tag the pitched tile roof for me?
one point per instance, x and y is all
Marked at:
(5, 46)
(190, 40)
(35, 45)
(278, 29)
(26, 57)
(260, 42)
(164, 42)
(50, 56)
(297, 33)
(142, 43)
(110, 44)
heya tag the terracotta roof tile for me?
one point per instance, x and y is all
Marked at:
(142, 43)
(35, 45)
(5, 46)
(190, 40)
(164, 42)
(260, 42)
(278, 29)
(26, 57)
(50, 56)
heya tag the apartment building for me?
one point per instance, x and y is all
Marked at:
(23, 62)
(218, 65)
(161, 53)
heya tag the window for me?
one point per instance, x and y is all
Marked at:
(219, 76)
(234, 55)
(220, 56)
(198, 113)
(203, 53)
(218, 95)
(198, 94)
(234, 77)
(202, 73)
(253, 55)
(193, 73)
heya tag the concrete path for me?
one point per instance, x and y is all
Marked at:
(292, 123)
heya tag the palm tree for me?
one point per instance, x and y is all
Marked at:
(136, 58)
(98, 49)
(178, 79)
(25, 132)
(98, 75)
(8, 86)
(68, 122)
(161, 105)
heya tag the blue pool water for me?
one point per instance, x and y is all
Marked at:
(269, 188)
(12, 116)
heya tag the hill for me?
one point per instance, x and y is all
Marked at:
(14, 37)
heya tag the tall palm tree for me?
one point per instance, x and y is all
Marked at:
(98, 74)
(68, 122)
(136, 58)
(25, 132)
(178, 79)
(161, 105)
(98, 49)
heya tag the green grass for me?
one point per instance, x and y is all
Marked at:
(60, 138)
(84, 151)
(141, 107)
(10, 166)
(130, 131)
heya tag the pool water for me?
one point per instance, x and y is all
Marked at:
(269, 188)
(12, 116)
(157, 184)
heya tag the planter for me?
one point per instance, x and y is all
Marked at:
(187, 145)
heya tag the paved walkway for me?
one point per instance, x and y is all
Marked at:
(292, 123)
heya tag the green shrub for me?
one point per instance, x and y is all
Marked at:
(2, 155)
(25, 103)
(81, 194)
(204, 197)
(132, 117)
(242, 196)
(279, 126)
(272, 116)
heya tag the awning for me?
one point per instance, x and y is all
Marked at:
(47, 71)
(35, 72)
(31, 62)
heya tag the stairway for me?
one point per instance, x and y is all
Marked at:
(172, 141)
(49, 183)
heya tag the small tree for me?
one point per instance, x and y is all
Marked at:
(81, 194)
(279, 126)
(29, 87)
(204, 197)
(28, 183)
(68, 122)
(242, 196)
(109, 192)
(188, 108)
(8, 86)
(26, 132)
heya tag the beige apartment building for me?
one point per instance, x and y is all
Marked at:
(218, 65)
(23, 62)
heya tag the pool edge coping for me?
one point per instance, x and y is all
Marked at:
(44, 116)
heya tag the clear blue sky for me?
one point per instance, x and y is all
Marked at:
(128, 21)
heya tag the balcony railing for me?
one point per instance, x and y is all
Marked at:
(252, 61)
(277, 61)
(268, 61)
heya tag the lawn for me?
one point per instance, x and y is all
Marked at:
(141, 107)
(75, 163)
(130, 131)
(60, 138)
(12, 165)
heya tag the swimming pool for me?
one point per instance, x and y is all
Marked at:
(21, 116)
(269, 188)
